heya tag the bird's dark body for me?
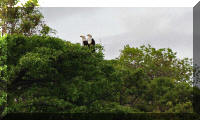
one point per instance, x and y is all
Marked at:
(85, 43)
(92, 45)
(93, 42)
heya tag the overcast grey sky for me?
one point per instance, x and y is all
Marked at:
(116, 27)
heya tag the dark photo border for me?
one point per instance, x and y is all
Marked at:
(196, 57)
(102, 116)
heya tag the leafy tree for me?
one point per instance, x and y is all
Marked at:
(157, 63)
(165, 79)
(44, 62)
(3, 74)
(47, 74)
(164, 94)
(26, 20)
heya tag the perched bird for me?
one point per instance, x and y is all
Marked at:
(91, 42)
(85, 42)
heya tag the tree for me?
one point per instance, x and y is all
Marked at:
(45, 72)
(48, 74)
(3, 74)
(53, 67)
(164, 95)
(26, 20)
(163, 78)
(157, 63)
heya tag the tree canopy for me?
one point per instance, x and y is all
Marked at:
(25, 19)
(48, 74)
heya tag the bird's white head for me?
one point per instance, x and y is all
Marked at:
(89, 35)
(82, 36)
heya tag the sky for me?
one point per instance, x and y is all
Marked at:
(114, 27)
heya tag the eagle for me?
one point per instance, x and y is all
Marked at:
(85, 42)
(91, 42)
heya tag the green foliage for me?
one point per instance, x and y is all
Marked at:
(47, 74)
(68, 71)
(182, 108)
(3, 74)
(3, 59)
(26, 20)
(157, 63)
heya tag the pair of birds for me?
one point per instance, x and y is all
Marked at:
(89, 41)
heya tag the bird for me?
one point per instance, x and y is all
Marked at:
(91, 42)
(84, 40)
